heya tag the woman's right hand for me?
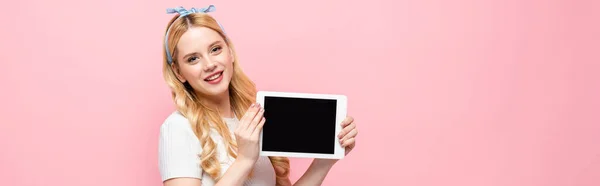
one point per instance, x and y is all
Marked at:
(246, 135)
(248, 132)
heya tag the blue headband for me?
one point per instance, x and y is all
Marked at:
(182, 13)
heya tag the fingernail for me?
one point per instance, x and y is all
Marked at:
(252, 105)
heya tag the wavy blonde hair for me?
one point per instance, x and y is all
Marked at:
(242, 92)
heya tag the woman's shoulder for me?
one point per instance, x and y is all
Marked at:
(175, 119)
(176, 124)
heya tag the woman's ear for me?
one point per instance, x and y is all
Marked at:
(176, 71)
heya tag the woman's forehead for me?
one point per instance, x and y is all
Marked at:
(198, 38)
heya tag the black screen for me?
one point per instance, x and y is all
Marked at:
(299, 125)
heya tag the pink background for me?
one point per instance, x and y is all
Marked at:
(462, 93)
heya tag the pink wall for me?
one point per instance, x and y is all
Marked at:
(461, 93)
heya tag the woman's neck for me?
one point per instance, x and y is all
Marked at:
(222, 103)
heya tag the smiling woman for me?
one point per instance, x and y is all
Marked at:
(202, 45)
(212, 138)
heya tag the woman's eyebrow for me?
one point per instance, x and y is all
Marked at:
(214, 43)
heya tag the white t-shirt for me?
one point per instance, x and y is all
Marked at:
(179, 153)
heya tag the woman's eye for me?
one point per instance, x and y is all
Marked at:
(216, 49)
(192, 59)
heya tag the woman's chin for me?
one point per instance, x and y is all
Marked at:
(216, 91)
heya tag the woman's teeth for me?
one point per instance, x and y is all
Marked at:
(214, 77)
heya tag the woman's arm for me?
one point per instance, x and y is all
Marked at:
(316, 172)
(183, 182)
(235, 175)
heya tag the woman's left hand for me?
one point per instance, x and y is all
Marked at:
(348, 134)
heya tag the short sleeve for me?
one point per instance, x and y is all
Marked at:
(178, 150)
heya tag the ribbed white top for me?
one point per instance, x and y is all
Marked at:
(179, 153)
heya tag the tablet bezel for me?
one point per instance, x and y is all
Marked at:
(341, 111)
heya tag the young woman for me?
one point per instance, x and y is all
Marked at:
(212, 138)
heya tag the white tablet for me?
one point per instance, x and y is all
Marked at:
(302, 125)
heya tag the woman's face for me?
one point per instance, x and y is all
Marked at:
(205, 61)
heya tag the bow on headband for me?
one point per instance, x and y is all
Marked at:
(182, 13)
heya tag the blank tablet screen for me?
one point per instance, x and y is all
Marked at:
(299, 125)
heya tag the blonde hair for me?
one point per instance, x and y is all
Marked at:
(242, 92)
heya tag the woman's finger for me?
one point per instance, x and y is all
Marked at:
(346, 129)
(348, 142)
(347, 121)
(248, 116)
(350, 134)
(259, 127)
(248, 111)
(256, 120)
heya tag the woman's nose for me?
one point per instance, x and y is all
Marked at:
(210, 65)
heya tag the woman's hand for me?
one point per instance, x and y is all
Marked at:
(348, 134)
(247, 133)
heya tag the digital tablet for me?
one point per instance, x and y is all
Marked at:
(302, 125)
